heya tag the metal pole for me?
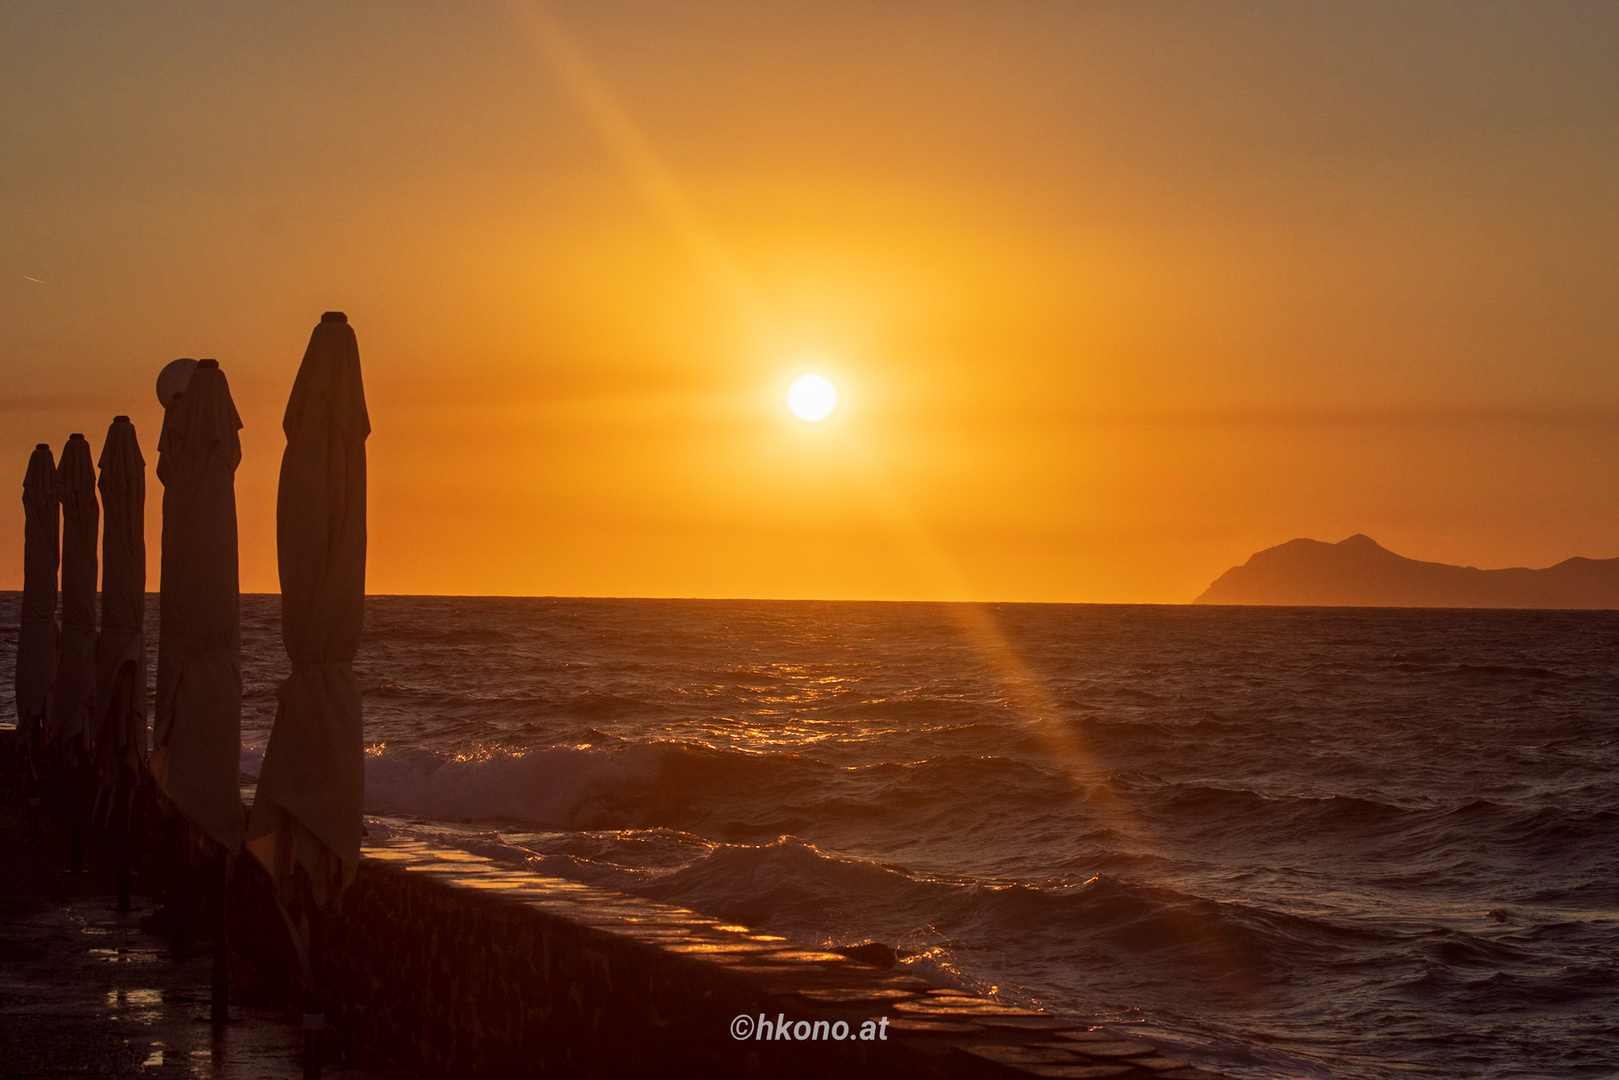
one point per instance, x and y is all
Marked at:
(314, 1010)
(314, 1027)
(74, 784)
(221, 988)
(180, 901)
(123, 866)
(34, 786)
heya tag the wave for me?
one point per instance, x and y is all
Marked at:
(957, 928)
(1286, 813)
(554, 786)
(641, 784)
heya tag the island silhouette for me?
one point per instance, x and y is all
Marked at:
(1360, 572)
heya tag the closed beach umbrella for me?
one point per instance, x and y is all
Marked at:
(120, 735)
(311, 789)
(197, 732)
(36, 637)
(73, 701)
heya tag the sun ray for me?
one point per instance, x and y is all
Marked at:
(640, 162)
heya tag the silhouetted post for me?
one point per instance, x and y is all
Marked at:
(221, 987)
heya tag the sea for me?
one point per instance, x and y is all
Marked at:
(1283, 842)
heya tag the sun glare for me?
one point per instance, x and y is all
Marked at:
(812, 397)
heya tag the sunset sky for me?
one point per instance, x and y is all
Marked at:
(1114, 294)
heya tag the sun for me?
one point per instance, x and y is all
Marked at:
(812, 397)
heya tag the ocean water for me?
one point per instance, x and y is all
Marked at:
(1288, 842)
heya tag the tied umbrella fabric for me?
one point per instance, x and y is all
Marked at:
(74, 699)
(120, 738)
(197, 732)
(311, 791)
(36, 637)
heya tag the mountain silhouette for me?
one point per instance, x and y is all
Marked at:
(1360, 572)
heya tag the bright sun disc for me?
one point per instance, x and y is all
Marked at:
(812, 397)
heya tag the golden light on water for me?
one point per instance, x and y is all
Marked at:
(812, 397)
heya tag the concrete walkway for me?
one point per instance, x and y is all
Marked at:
(84, 993)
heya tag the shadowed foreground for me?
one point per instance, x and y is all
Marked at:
(83, 992)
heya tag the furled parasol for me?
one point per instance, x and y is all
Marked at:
(311, 789)
(73, 701)
(120, 735)
(197, 740)
(36, 636)
(307, 809)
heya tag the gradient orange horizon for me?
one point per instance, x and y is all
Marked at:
(1114, 295)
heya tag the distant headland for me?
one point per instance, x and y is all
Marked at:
(1360, 572)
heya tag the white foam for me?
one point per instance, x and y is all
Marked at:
(548, 786)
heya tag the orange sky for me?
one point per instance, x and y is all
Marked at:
(1116, 294)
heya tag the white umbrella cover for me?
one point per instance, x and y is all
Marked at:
(311, 789)
(36, 637)
(120, 737)
(197, 733)
(73, 702)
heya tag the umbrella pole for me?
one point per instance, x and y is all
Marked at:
(314, 1011)
(123, 868)
(221, 987)
(75, 813)
(126, 841)
(179, 884)
(33, 783)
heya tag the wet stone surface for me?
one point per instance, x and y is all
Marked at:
(85, 993)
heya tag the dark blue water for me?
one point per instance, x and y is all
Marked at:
(1292, 842)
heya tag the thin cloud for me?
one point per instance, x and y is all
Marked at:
(35, 280)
